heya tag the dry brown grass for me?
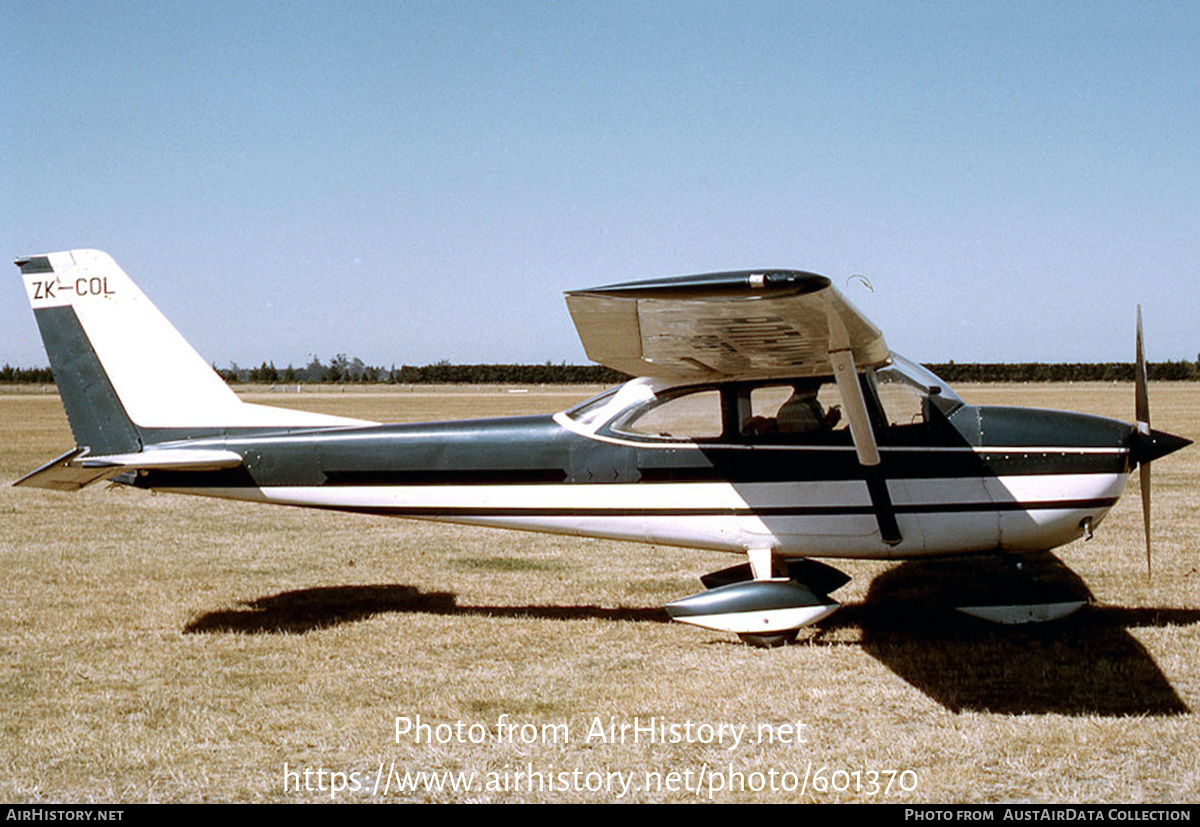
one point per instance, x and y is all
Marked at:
(158, 648)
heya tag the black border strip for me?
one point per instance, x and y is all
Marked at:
(780, 511)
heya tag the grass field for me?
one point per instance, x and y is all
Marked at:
(159, 648)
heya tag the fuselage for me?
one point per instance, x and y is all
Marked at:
(961, 478)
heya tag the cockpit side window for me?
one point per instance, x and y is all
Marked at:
(796, 411)
(902, 402)
(907, 405)
(791, 411)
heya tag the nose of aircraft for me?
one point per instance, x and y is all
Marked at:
(1145, 443)
(1148, 446)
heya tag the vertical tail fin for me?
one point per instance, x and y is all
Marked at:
(126, 376)
(65, 289)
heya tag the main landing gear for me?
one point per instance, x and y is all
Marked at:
(762, 609)
(766, 602)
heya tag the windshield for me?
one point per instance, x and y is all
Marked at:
(909, 372)
(586, 413)
(908, 393)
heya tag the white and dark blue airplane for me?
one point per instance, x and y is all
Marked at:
(767, 418)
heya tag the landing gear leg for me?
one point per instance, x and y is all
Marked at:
(762, 564)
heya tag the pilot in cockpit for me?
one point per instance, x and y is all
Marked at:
(802, 413)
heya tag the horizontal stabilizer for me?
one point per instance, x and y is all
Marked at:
(76, 469)
(167, 459)
(63, 474)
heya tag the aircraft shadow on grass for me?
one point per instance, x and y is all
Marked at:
(307, 610)
(1086, 664)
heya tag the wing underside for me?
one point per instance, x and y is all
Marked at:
(725, 325)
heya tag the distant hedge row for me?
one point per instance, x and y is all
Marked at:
(354, 371)
(39, 376)
(510, 375)
(1064, 372)
(343, 371)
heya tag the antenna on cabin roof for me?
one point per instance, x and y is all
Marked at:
(866, 281)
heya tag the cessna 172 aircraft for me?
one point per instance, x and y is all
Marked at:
(767, 418)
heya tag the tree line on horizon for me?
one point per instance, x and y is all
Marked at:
(1180, 371)
(343, 369)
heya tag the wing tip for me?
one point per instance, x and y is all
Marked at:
(714, 285)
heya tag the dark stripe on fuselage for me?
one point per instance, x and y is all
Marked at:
(708, 465)
(726, 466)
(466, 476)
(766, 465)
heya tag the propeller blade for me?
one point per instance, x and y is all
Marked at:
(1142, 403)
(1146, 444)
(1142, 406)
(1144, 477)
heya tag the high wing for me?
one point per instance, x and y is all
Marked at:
(752, 323)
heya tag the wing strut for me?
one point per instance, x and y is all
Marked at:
(846, 374)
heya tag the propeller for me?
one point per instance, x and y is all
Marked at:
(1147, 444)
(1142, 414)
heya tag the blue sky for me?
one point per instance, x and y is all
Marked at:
(415, 181)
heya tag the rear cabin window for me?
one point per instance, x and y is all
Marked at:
(692, 416)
